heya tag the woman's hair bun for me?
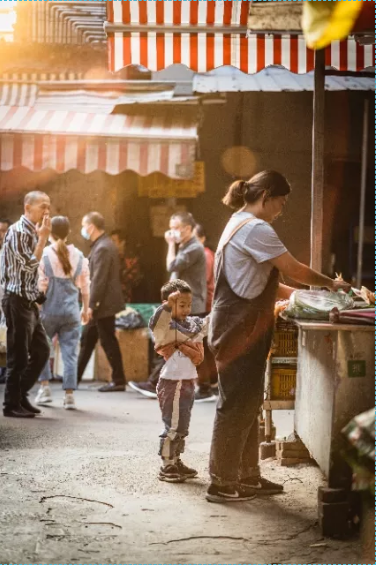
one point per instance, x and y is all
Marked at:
(235, 197)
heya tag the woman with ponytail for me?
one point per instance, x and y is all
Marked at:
(249, 259)
(63, 272)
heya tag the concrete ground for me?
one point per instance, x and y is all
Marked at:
(81, 487)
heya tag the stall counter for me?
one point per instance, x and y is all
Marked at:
(335, 382)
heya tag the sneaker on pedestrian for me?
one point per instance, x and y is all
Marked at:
(69, 402)
(146, 389)
(215, 390)
(204, 396)
(227, 494)
(185, 471)
(44, 396)
(112, 387)
(261, 486)
(171, 474)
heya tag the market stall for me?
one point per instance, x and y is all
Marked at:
(335, 382)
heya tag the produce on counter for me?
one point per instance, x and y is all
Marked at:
(317, 304)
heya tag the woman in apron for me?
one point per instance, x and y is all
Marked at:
(248, 261)
(63, 272)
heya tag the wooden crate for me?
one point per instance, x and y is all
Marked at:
(134, 346)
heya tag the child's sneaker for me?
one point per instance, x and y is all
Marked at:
(44, 396)
(171, 474)
(186, 472)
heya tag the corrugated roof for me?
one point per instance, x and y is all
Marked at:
(88, 96)
(273, 79)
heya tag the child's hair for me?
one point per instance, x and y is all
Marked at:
(174, 286)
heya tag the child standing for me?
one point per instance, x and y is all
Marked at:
(178, 338)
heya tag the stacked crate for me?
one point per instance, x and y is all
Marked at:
(284, 361)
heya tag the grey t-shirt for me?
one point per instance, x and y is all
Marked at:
(190, 266)
(247, 255)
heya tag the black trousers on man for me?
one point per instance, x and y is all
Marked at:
(27, 348)
(104, 330)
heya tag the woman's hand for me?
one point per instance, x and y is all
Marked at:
(340, 285)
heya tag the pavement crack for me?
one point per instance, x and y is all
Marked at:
(102, 524)
(232, 538)
(44, 498)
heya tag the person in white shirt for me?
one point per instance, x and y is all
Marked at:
(178, 338)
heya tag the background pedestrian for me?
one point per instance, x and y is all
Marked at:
(63, 272)
(27, 346)
(106, 300)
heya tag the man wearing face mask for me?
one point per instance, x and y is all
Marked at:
(106, 300)
(185, 260)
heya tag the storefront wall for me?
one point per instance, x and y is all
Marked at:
(275, 132)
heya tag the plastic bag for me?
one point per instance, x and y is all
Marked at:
(129, 320)
(316, 304)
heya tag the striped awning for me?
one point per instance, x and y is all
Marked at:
(163, 141)
(90, 97)
(210, 34)
(64, 22)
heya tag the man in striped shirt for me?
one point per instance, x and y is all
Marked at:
(27, 346)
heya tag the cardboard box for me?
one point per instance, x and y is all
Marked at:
(134, 347)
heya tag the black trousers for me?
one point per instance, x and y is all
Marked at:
(27, 348)
(104, 330)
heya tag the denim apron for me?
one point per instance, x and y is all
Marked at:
(240, 336)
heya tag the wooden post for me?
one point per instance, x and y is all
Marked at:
(364, 172)
(318, 151)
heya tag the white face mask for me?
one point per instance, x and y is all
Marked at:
(85, 234)
(177, 236)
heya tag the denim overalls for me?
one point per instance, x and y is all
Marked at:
(61, 316)
(240, 337)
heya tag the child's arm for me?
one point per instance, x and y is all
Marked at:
(166, 351)
(194, 351)
(161, 320)
(160, 324)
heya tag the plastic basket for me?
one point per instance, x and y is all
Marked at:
(283, 383)
(285, 344)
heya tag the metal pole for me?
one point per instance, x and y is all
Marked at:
(364, 170)
(268, 413)
(318, 150)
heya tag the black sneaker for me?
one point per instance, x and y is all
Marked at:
(201, 396)
(228, 494)
(171, 474)
(261, 486)
(146, 389)
(185, 471)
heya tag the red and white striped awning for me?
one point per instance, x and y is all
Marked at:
(204, 35)
(163, 141)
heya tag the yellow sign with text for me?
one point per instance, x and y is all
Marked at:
(159, 186)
